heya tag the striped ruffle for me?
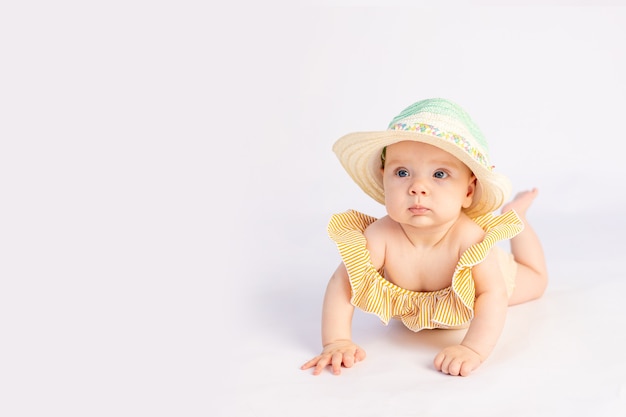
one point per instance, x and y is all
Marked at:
(446, 308)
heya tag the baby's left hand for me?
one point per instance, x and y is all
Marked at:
(457, 360)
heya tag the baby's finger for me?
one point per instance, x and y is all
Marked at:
(466, 369)
(445, 364)
(348, 359)
(321, 364)
(454, 368)
(442, 361)
(311, 363)
(438, 362)
(336, 363)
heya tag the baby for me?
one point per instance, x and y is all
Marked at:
(432, 261)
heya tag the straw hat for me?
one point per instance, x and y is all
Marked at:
(438, 122)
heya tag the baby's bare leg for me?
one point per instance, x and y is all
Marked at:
(532, 274)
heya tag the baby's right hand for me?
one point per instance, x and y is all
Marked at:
(335, 354)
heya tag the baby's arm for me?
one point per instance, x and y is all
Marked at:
(490, 309)
(337, 315)
(338, 311)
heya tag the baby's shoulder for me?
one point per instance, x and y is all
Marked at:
(380, 228)
(468, 232)
(377, 235)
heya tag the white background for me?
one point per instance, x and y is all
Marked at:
(166, 177)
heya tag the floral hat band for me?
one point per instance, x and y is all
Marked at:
(438, 122)
(459, 141)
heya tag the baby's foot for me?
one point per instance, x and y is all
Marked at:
(521, 202)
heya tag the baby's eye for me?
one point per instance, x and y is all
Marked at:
(402, 173)
(440, 174)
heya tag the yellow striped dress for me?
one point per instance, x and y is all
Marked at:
(451, 307)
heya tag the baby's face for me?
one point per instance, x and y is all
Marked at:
(424, 184)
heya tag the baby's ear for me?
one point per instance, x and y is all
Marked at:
(471, 189)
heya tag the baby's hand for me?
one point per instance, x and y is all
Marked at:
(341, 352)
(457, 360)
